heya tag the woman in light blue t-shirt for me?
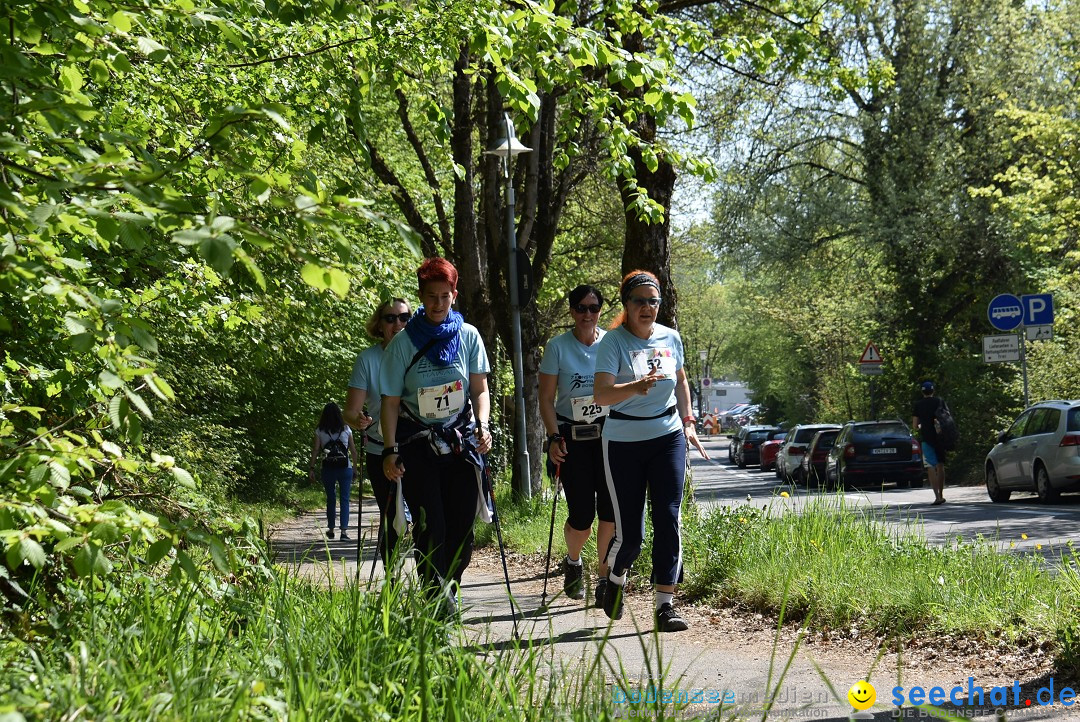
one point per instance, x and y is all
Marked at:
(435, 412)
(639, 373)
(573, 421)
(362, 413)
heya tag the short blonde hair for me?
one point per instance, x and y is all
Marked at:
(373, 325)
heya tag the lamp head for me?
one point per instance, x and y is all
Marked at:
(508, 146)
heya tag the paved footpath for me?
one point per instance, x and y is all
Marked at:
(726, 651)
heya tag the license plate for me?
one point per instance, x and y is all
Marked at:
(883, 450)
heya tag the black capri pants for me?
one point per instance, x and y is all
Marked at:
(383, 489)
(584, 480)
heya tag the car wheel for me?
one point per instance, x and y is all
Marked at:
(730, 456)
(917, 483)
(742, 462)
(1047, 493)
(839, 478)
(777, 473)
(905, 484)
(993, 487)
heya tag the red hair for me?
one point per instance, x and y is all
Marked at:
(624, 293)
(436, 270)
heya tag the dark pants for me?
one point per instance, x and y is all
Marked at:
(441, 492)
(384, 491)
(585, 484)
(337, 481)
(656, 467)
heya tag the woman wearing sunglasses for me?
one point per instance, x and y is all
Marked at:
(639, 373)
(573, 421)
(386, 322)
(435, 413)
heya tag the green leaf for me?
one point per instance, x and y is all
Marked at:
(32, 552)
(315, 276)
(218, 252)
(183, 478)
(116, 413)
(158, 550)
(61, 477)
(138, 403)
(120, 21)
(339, 283)
(67, 543)
(219, 555)
(91, 560)
(187, 565)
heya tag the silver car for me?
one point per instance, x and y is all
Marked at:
(789, 458)
(1040, 452)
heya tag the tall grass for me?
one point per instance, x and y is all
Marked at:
(277, 648)
(848, 567)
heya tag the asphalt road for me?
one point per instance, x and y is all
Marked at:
(968, 512)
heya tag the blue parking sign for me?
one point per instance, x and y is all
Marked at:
(1005, 312)
(1038, 309)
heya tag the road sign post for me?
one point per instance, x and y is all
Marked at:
(870, 364)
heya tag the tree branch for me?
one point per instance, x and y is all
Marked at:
(294, 56)
(405, 203)
(421, 155)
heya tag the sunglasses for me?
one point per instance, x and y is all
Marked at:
(587, 308)
(653, 301)
(399, 317)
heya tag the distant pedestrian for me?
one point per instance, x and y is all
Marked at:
(640, 374)
(335, 441)
(574, 422)
(923, 413)
(362, 408)
(435, 412)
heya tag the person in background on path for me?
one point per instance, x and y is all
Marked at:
(435, 412)
(639, 373)
(336, 439)
(386, 322)
(922, 418)
(573, 421)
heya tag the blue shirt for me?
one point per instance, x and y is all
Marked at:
(365, 376)
(629, 358)
(434, 394)
(573, 363)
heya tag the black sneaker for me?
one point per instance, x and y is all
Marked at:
(599, 591)
(613, 601)
(344, 535)
(329, 533)
(572, 580)
(668, 620)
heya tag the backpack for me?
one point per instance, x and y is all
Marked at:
(337, 452)
(945, 426)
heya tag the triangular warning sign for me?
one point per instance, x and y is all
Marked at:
(870, 355)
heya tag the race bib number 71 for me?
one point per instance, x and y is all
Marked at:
(440, 401)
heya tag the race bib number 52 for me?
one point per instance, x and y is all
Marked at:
(440, 401)
(661, 359)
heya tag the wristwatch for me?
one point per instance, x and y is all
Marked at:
(554, 437)
(387, 450)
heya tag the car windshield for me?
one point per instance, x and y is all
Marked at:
(827, 439)
(805, 436)
(882, 430)
(758, 435)
(1074, 419)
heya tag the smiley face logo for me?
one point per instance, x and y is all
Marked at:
(862, 695)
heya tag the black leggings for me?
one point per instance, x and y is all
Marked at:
(442, 493)
(383, 488)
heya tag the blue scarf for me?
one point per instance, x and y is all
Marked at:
(448, 339)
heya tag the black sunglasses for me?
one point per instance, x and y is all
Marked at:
(591, 308)
(391, 317)
(654, 301)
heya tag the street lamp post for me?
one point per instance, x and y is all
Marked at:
(506, 148)
(703, 354)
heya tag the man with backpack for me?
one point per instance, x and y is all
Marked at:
(931, 416)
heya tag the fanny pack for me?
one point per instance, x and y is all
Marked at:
(580, 432)
(669, 411)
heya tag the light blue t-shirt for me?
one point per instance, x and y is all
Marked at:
(629, 358)
(573, 363)
(365, 376)
(434, 394)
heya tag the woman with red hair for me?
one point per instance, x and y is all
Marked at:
(435, 410)
(639, 373)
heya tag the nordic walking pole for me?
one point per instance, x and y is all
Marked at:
(360, 511)
(502, 549)
(551, 534)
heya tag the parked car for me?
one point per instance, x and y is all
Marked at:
(768, 451)
(790, 457)
(1040, 452)
(748, 442)
(812, 465)
(875, 452)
